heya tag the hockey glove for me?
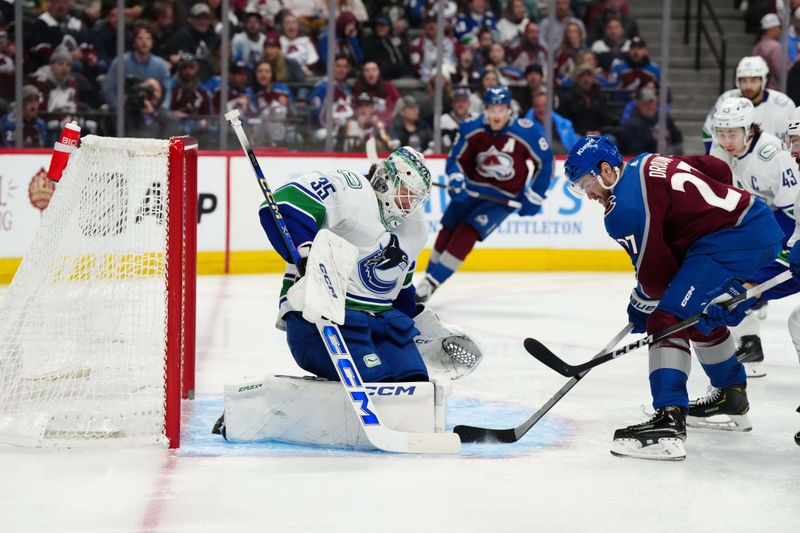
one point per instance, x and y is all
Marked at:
(794, 260)
(639, 310)
(457, 187)
(531, 204)
(528, 209)
(716, 315)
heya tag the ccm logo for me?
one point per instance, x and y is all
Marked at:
(251, 387)
(391, 390)
(688, 295)
(327, 279)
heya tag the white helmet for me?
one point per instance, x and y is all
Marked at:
(402, 184)
(793, 124)
(735, 113)
(752, 66)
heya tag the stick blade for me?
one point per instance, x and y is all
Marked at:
(472, 434)
(548, 358)
(390, 440)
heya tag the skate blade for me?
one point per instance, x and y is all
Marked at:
(721, 422)
(666, 449)
(755, 370)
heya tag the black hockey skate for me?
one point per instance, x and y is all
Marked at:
(425, 290)
(659, 438)
(797, 435)
(219, 427)
(750, 354)
(724, 409)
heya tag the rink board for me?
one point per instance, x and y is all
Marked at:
(567, 235)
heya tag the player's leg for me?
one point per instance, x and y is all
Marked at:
(393, 335)
(428, 285)
(726, 406)
(749, 350)
(662, 436)
(456, 212)
(483, 218)
(794, 329)
(306, 347)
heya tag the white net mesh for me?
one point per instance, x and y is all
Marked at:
(82, 328)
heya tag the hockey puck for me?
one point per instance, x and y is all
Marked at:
(797, 438)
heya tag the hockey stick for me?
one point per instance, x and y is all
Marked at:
(543, 354)
(474, 194)
(379, 435)
(479, 434)
(372, 156)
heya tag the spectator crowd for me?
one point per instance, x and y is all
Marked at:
(383, 75)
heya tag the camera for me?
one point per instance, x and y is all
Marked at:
(136, 92)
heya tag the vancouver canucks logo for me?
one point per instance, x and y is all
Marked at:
(495, 164)
(381, 270)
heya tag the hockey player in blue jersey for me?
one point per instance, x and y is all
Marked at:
(687, 231)
(495, 155)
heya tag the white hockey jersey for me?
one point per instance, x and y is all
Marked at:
(766, 171)
(345, 203)
(771, 113)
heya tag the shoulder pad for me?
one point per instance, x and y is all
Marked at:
(471, 124)
(782, 100)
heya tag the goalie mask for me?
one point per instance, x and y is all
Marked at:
(402, 184)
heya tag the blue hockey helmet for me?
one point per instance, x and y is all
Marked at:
(587, 154)
(497, 94)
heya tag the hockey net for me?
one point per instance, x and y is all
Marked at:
(97, 327)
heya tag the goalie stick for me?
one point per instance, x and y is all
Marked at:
(543, 354)
(379, 435)
(507, 436)
(372, 156)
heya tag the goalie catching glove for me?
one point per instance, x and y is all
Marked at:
(445, 350)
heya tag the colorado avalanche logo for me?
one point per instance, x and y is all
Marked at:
(495, 164)
(381, 270)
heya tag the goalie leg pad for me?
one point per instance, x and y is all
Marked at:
(314, 411)
(446, 350)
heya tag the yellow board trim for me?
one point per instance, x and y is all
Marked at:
(479, 260)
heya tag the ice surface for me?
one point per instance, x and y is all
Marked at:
(560, 477)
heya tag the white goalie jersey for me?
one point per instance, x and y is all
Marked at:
(766, 171)
(345, 203)
(771, 113)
